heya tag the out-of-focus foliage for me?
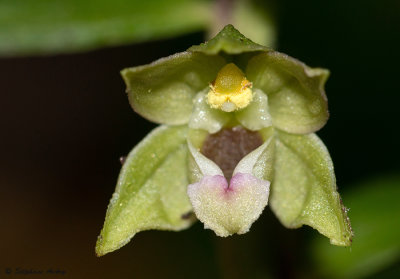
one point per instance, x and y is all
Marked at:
(256, 21)
(56, 26)
(254, 18)
(374, 212)
(50, 26)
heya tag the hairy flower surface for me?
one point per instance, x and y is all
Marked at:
(238, 122)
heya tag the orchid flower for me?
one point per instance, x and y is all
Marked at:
(237, 123)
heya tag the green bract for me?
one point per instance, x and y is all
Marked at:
(269, 140)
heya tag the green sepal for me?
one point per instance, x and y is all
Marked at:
(151, 190)
(304, 188)
(230, 41)
(163, 91)
(296, 96)
(374, 211)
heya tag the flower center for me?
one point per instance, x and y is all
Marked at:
(230, 90)
(227, 147)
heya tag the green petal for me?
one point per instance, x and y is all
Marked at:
(297, 100)
(163, 91)
(230, 41)
(206, 118)
(151, 190)
(256, 115)
(304, 188)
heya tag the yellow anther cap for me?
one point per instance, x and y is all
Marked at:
(231, 90)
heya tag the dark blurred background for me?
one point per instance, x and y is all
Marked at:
(65, 121)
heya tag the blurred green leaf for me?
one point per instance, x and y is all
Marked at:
(151, 190)
(52, 26)
(255, 20)
(375, 216)
(304, 190)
